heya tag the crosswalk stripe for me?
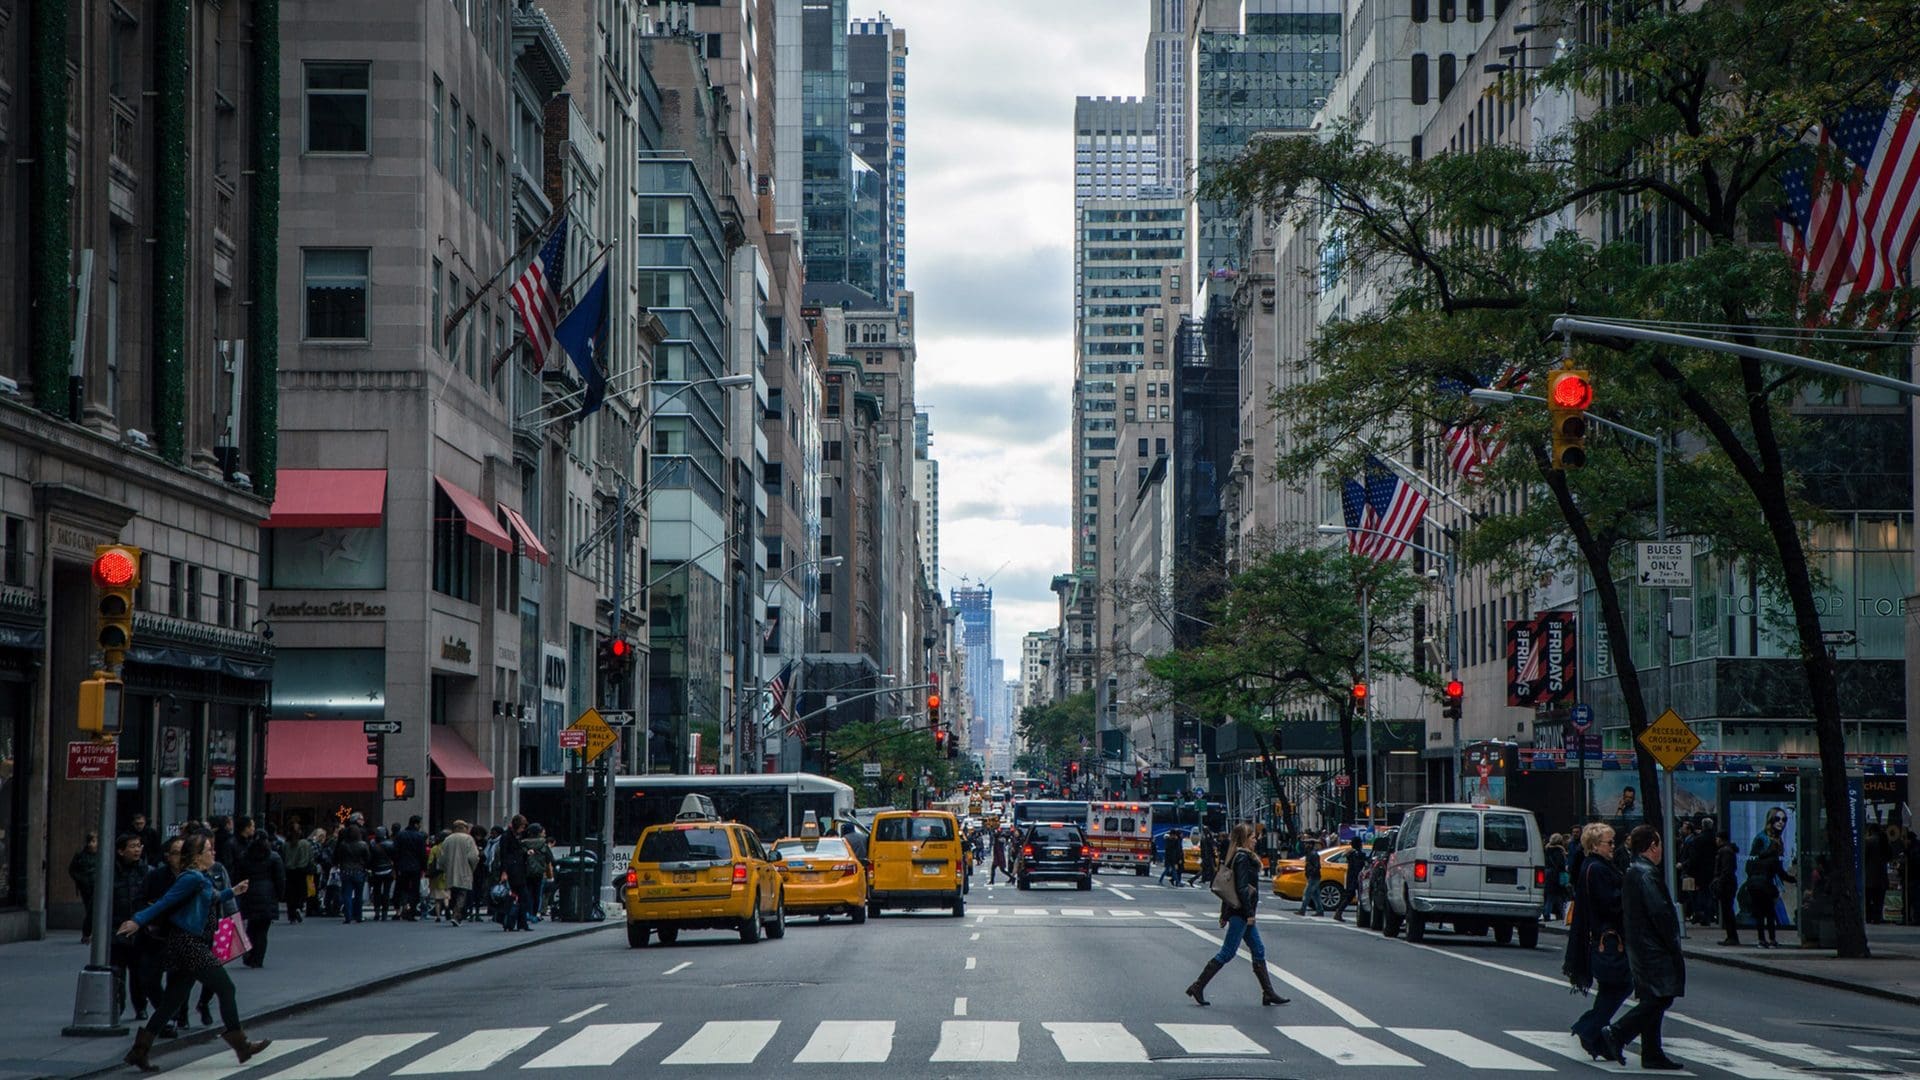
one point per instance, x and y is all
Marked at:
(1211, 1039)
(1563, 1044)
(725, 1042)
(1345, 1046)
(594, 1045)
(1126, 913)
(849, 1040)
(978, 1040)
(1029, 911)
(474, 1052)
(1096, 1042)
(1742, 1065)
(1083, 911)
(353, 1057)
(1176, 914)
(220, 1065)
(1468, 1050)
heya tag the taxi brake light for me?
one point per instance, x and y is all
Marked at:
(632, 878)
(739, 873)
(1420, 870)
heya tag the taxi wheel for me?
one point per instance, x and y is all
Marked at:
(669, 934)
(778, 927)
(1330, 895)
(859, 914)
(637, 935)
(873, 909)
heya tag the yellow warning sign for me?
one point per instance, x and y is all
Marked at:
(1669, 739)
(600, 734)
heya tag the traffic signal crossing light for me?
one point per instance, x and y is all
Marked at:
(1569, 396)
(933, 708)
(616, 656)
(1359, 695)
(1451, 700)
(116, 574)
(99, 707)
(941, 739)
(373, 750)
(400, 787)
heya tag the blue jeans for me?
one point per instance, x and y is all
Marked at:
(1237, 928)
(535, 889)
(353, 889)
(1312, 898)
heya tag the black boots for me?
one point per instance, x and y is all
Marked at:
(243, 1049)
(1198, 989)
(1267, 996)
(142, 1046)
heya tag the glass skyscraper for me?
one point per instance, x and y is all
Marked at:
(826, 161)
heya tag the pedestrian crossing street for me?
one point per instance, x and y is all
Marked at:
(878, 1042)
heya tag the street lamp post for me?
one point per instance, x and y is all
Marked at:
(1366, 652)
(1659, 443)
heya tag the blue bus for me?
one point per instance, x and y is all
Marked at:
(1183, 815)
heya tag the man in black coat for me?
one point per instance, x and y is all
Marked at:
(1873, 860)
(1726, 888)
(1356, 873)
(1176, 857)
(1653, 952)
(409, 861)
(511, 856)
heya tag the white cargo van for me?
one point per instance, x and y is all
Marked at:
(1472, 866)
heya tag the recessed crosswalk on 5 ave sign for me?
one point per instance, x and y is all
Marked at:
(1669, 739)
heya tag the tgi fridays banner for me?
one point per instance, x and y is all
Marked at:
(1541, 663)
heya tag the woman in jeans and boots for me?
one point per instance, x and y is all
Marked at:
(186, 912)
(1237, 917)
(380, 873)
(351, 855)
(1596, 941)
(1653, 951)
(1766, 869)
(266, 879)
(297, 859)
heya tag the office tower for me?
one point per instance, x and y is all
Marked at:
(974, 603)
(826, 157)
(1167, 88)
(877, 132)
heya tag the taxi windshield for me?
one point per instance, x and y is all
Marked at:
(684, 845)
(904, 828)
(827, 847)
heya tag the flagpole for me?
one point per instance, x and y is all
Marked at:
(1421, 480)
(539, 235)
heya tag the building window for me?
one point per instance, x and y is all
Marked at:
(1419, 11)
(335, 281)
(826, 506)
(1476, 10)
(1419, 78)
(239, 603)
(193, 594)
(339, 107)
(830, 450)
(435, 328)
(826, 622)
(1447, 10)
(826, 583)
(1143, 448)
(439, 133)
(776, 404)
(1449, 70)
(453, 140)
(452, 549)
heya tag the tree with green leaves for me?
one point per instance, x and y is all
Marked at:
(899, 751)
(1689, 112)
(1289, 636)
(1058, 732)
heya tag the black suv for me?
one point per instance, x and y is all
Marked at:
(1054, 852)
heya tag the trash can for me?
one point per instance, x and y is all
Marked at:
(577, 876)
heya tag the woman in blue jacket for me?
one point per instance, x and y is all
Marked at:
(185, 914)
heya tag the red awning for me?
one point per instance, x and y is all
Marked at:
(480, 523)
(456, 762)
(535, 549)
(317, 755)
(328, 499)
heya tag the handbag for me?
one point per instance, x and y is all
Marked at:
(1226, 888)
(230, 940)
(1610, 964)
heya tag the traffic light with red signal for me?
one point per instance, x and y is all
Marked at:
(116, 575)
(1451, 699)
(400, 787)
(1359, 695)
(616, 656)
(1569, 396)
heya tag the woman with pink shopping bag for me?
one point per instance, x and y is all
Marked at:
(186, 915)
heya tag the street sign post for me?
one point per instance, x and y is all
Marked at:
(89, 760)
(1582, 716)
(573, 739)
(870, 769)
(600, 736)
(1664, 564)
(1669, 740)
(380, 727)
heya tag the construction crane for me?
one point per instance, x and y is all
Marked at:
(967, 580)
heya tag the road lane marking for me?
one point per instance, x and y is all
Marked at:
(1345, 1047)
(1522, 972)
(1562, 1043)
(1029, 911)
(975, 937)
(849, 1041)
(1085, 912)
(1468, 1050)
(959, 1006)
(681, 966)
(971, 962)
(474, 1052)
(1122, 895)
(1096, 1042)
(1327, 1001)
(1799, 1053)
(978, 1040)
(1733, 1061)
(594, 1046)
(986, 911)
(1176, 914)
(1126, 913)
(584, 1013)
(221, 1065)
(1211, 1039)
(725, 1042)
(354, 1057)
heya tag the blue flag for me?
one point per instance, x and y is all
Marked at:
(583, 333)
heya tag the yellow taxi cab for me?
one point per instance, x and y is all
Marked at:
(822, 875)
(1290, 876)
(917, 862)
(701, 873)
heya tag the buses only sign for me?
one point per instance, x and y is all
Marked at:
(1664, 565)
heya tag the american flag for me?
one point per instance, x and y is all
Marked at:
(1476, 443)
(778, 688)
(533, 294)
(1398, 505)
(1359, 517)
(1851, 215)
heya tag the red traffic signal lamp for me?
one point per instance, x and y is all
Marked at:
(1359, 693)
(401, 787)
(1569, 396)
(616, 655)
(1452, 697)
(940, 738)
(116, 574)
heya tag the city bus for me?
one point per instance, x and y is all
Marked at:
(1023, 786)
(772, 804)
(1185, 816)
(1025, 812)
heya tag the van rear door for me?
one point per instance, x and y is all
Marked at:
(1508, 839)
(1455, 854)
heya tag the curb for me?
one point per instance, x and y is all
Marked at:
(1785, 973)
(292, 1008)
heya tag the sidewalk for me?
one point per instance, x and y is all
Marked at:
(1893, 971)
(310, 963)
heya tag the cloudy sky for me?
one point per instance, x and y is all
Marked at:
(990, 89)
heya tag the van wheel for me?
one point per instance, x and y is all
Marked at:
(873, 909)
(1529, 934)
(669, 934)
(1503, 934)
(959, 907)
(750, 929)
(1416, 925)
(637, 935)
(1139, 871)
(778, 927)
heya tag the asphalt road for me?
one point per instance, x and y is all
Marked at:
(1049, 983)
